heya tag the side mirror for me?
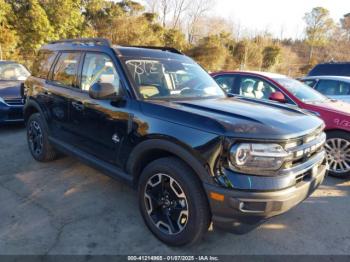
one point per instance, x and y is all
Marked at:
(278, 97)
(101, 91)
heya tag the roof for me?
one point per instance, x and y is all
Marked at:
(99, 44)
(149, 52)
(338, 78)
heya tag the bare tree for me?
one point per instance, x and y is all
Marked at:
(153, 6)
(197, 10)
(179, 8)
(165, 7)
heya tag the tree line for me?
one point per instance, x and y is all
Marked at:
(216, 43)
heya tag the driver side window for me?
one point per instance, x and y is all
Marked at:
(254, 87)
(99, 68)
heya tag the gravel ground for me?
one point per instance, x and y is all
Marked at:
(65, 207)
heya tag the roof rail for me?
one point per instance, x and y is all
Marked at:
(96, 41)
(163, 48)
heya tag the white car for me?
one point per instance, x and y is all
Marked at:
(336, 87)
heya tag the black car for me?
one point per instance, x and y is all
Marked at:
(331, 69)
(12, 75)
(153, 118)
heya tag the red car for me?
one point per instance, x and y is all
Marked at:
(271, 88)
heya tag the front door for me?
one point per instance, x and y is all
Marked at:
(99, 126)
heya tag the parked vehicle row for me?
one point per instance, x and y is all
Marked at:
(232, 149)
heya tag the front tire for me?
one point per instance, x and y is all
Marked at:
(173, 203)
(338, 153)
(38, 142)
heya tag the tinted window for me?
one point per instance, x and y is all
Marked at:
(66, 69)
(255, 88)
(333, 87)
(226, 82)
(43, 64)
(331, 69)
(99, 68)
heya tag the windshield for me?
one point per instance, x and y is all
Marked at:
(13, 71)
(300, 90)
(171, 79)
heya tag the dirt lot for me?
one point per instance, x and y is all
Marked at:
(65, 207)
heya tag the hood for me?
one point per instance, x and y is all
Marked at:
(235, 118)
(336, 106)
(10, 89)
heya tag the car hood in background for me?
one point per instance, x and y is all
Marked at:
(10, 89)
(345, 98)
(235, 118)
(337, 106)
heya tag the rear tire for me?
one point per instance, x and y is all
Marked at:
(338, 153)
(172, 202)
(37, 138)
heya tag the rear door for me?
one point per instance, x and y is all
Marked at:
(60, 86)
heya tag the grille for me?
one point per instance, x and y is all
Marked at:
(305, 149)
(302, 154)
(17, 101)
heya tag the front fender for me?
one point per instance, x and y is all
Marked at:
(200, 165)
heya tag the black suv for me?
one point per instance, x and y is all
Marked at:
(331, 69)
(153, 118)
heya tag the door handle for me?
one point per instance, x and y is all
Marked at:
(78, 105)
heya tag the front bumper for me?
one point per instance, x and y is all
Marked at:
(11, 112)
(241, 210)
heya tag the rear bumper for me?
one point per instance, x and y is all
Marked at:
(242, 210)
(11, 113)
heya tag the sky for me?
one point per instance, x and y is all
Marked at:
(279, 17)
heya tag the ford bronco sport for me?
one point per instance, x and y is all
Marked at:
(153, 118)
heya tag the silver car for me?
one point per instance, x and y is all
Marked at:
(336, 87)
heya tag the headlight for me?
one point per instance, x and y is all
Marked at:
(2, 100)
(255, 158)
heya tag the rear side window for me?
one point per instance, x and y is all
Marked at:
(225, 82)
(331, 70)
(43, 63)
(66, 68)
